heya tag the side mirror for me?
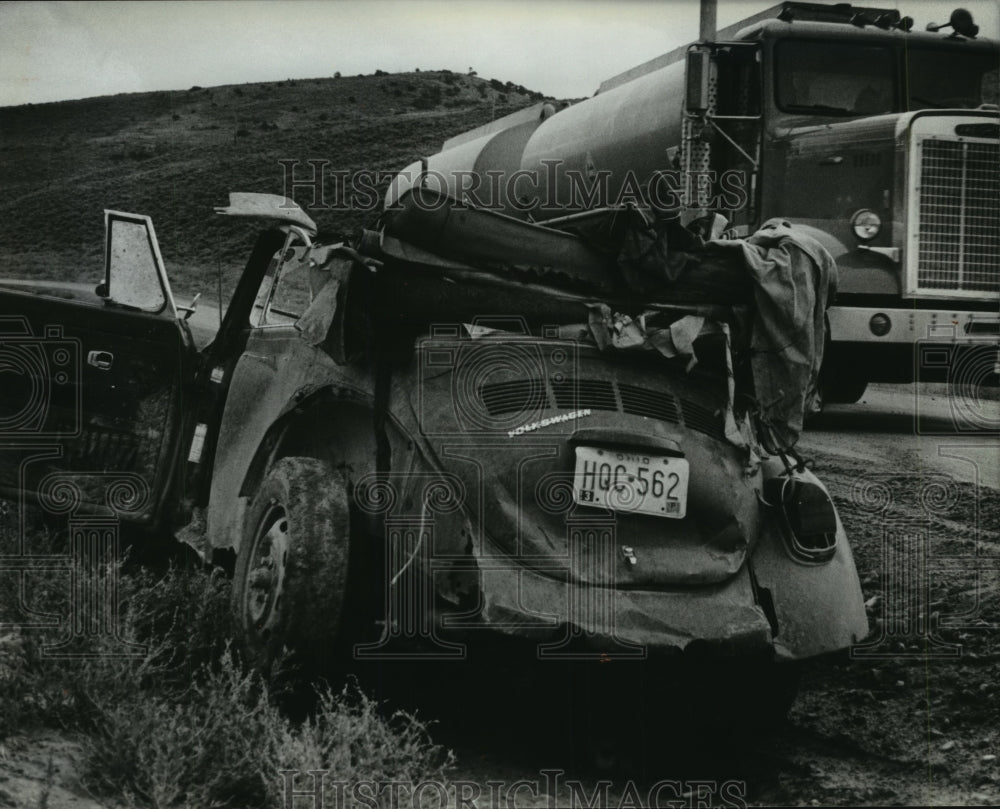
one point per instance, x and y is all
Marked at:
(133, 268)
(698, 68)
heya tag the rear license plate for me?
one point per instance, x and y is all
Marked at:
(632, 482)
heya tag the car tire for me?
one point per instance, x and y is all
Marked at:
(291, 573)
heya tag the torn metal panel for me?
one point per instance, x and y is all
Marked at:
(269, 208)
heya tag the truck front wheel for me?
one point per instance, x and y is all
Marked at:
(292, 566)
(844, 389)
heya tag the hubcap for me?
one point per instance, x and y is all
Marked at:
(266, 576)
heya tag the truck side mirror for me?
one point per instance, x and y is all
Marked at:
(698, 68)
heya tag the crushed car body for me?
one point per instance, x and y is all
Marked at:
(440, 447)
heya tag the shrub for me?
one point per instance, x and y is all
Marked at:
(180, 722)
(428, 98)
(169, 626)
(350, 739)
(211, 744)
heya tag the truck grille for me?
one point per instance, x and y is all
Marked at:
(958, 247)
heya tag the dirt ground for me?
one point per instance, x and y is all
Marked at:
(910, 718)
(39, 770)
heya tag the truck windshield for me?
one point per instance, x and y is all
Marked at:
(834, 78)
(950, 79)
(837, 78)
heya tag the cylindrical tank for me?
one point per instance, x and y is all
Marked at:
(620, 137)
(539, 163)
(462, 169)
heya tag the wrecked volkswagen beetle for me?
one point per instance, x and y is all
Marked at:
(409, 449)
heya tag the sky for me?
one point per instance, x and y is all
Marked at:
(52, 51)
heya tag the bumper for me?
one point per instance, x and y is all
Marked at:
(561, 616)
(851, 325)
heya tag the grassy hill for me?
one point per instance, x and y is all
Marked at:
(174, 155)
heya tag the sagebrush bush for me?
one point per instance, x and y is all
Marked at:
(169, 716)
(351, 741)
(210, 744)
(168, 627)
(222, 742)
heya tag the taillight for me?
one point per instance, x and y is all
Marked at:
(805, 514)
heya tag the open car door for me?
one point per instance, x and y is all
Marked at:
(92, 400)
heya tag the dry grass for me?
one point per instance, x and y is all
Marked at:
(182, 723)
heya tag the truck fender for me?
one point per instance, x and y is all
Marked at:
(814, 607)
(834, 246)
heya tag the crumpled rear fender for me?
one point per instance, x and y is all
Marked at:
(816, 607)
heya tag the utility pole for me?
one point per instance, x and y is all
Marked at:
(706, 31)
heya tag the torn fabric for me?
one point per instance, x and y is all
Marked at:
(794, 280)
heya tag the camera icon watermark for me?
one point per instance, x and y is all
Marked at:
(495, 380)
(41, 382)
(89, 624)
(969, 371)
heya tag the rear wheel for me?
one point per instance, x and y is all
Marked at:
(291, 572)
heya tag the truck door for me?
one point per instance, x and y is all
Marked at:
(92, 403)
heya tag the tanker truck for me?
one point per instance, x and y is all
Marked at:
(879, 142)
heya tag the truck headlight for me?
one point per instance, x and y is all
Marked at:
(866, 224)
